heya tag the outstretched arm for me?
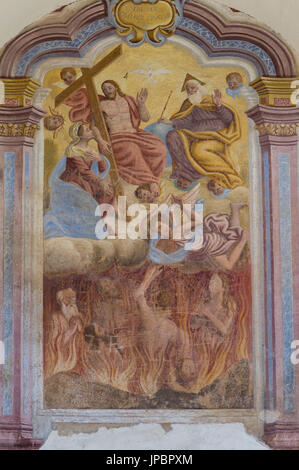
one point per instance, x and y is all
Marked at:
(151, 273)
(104, 147)
(228, 261)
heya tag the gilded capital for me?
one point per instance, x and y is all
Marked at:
(22, 122)
(19, 91)
(278, 92)
(280, 130)
(25, 129)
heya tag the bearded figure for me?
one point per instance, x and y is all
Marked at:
(199, 143)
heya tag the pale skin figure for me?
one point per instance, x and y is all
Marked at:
(67, 302)
(69, 76)
(118, 119)
(228, 261)
(221, 317)
(88, 133)
(192, 88)
(65, 337)
(53, 122)
(159, 332)
(109, 316)
(117, 112)
(145, 194)
(234, 81)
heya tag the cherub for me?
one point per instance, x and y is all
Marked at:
(54, 122)
(143, 192)
(235, 84)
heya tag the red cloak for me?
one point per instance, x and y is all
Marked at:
(140, 157)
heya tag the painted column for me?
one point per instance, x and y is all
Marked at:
(18, 126)
(277, 128)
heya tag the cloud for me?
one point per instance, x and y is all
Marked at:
(67, 256)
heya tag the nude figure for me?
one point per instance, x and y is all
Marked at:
(139, 155)
(110, 322)
(218, 311)
(160, 334)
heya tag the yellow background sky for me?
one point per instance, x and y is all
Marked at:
(178, 60)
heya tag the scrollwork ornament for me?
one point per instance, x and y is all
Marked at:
(25, 129)
(151, 21)
(279, 130)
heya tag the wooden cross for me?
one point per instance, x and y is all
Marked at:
(87, 80)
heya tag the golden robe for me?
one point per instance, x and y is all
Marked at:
(209, 151)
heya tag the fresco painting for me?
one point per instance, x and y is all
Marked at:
(149, 228)
(146, 323)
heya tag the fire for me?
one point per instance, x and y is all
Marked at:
(123, 356)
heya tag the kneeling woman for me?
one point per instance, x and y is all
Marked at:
(80, 157)
(77, 186)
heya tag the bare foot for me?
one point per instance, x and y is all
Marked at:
(238, 205)
(155, 190)
(245, 236)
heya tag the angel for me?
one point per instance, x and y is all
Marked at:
(217, 239)
(54, 122)
(68, 76)
(78, 101)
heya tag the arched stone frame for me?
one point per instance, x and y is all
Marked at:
(250, 417)
(284, 66)
(207, 16)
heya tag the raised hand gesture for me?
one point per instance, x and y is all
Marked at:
(142, 96)
(217, 98)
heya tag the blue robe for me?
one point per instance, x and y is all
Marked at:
(72, 210)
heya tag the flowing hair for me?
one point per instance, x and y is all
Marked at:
(226, 286)
(116, 86)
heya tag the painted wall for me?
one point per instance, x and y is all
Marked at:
(281, 15)
(154, 436)
(281, 19)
